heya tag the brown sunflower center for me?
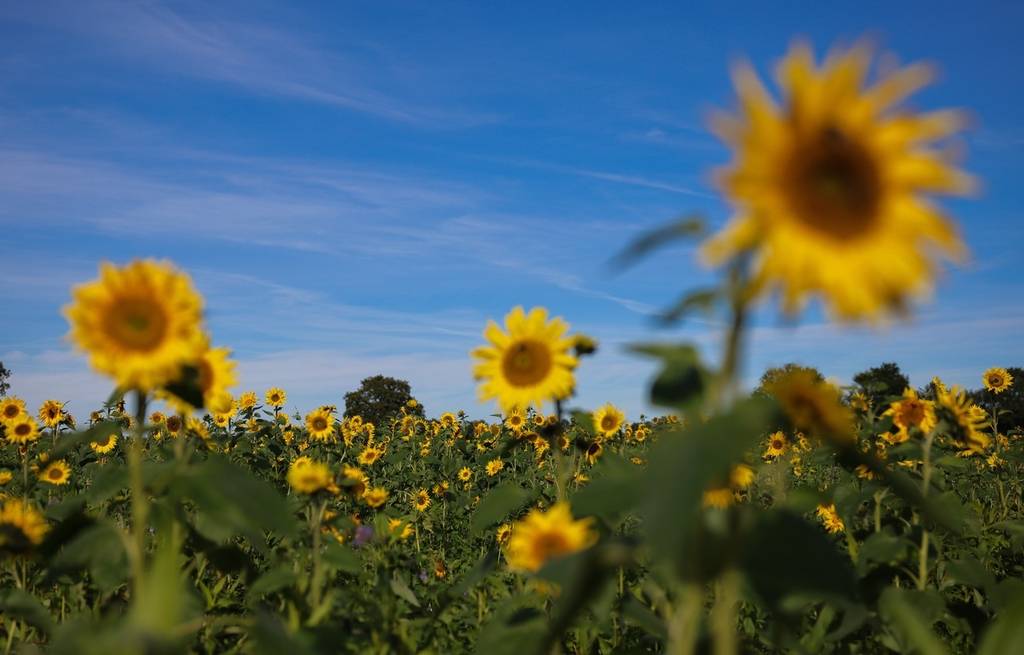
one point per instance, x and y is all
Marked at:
(833, 185)
(911, 413)
(319, 424)
(55, 474)
(11, 411)
(526, 363)
(551, 543)
(174, 424)
(22, 429)
(608, 422)
(136, 324)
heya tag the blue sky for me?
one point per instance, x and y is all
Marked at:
(357, 187)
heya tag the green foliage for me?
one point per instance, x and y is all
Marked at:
(881, 383)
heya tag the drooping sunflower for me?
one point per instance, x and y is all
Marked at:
(421, 501)
(308, 477)
(320, 424)
(997, 380)
(593, 452)
(912, 412)
(51, 413)
(139, 324)
(777, 445)
(21, 526)
(104, 445)
(503, 533)
(57, 473)
(21, 430)
(375, 497)
(830, 185)
(542, 536)
(965, 420)
(830, 518)
(276, 397)
(11, 408)
(608, 419)
(812, 406)
(528, 364)
(494, 467)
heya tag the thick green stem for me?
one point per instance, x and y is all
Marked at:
(140, 505)
(724, 614)
(316, 584)
(926, 477)
(685, 621)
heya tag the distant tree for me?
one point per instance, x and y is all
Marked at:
(379, 398)
(773, 373)
(5, 375)
(881, 382)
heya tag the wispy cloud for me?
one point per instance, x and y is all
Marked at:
(197, 42)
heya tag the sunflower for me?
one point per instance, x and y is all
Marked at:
(56, 473)
(375, 497)
(448, 421)
(608, 419)
(248, 400)
(370, 455)
(22, 429)
(421, 501)
(997, 380)
(593, 452)
(964, 419)
(21, 526)
(320, 424)
(51, 413)
(104, 445)
(11, 408)
(527, 365)
(542, 536)
(830, 186)
(174, 425)
(777, 445)
(465, 474)
(515, 420)
(830, 518)
(400, 529)
(157, 418)
(503, 533)
(740, 477)
(5, 476)
(912, 412)
(276, 397)
(812, 406)
(354, 480)
(494, 467)
(139, 324)
(308, 477)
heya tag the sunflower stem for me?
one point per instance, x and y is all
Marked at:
(140, 506)
(926, 476)
(685, 621)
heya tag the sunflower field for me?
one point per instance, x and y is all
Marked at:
(184, 516)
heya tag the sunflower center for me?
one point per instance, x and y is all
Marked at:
(833, 185)
(55, 474)
(137, 324)
(319, 423)
(911, 413)
(608, 423)
(22, 429)
(550, 543)
(11, 411)
(526, 363)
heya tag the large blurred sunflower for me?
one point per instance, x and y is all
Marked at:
(21, 526)
(139, 324)
(829, 187)
(527, 365)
